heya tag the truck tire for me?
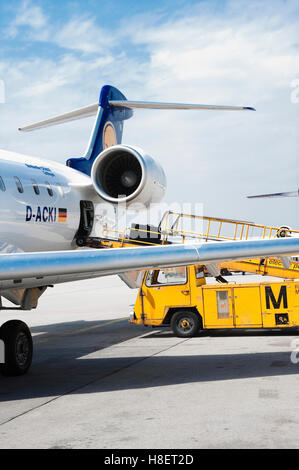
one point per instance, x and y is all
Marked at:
(185, 323)
(18, 347)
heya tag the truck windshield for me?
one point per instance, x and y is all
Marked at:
(166, 276)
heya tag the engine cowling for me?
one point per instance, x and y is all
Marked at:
(126, 174)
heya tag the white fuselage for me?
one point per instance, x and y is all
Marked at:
(40, 203)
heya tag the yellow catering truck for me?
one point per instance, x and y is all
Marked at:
(180, 298)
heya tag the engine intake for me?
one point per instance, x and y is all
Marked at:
(126, 174)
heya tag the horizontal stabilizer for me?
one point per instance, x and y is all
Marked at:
(287, 194)
(80, 113)
(92, 109)
(157, 105)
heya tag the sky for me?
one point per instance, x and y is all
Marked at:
(55, 56)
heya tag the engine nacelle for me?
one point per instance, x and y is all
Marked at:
(125, 174)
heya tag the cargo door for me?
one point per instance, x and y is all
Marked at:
(218, 307)
(247, 306)
(164, 288)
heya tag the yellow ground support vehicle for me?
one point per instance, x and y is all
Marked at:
(180, 298)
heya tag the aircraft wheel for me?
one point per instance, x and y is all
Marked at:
(18, 348)
(185, 324)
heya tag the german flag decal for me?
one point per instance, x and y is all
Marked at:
(62, 215)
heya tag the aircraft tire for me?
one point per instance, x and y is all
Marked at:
(18, 347)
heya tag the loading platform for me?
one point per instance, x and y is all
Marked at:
(176, 227)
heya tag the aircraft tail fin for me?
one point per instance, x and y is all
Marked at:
(107, 129)
(113, 108)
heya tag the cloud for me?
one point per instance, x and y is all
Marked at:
(236, 53)
(247, 51)
(30, 16)
(78, 33)
(49, 75)
(83, 35)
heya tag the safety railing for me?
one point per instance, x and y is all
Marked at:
(181, 228)
(217, 229)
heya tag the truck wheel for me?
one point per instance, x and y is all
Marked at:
(185, 324)
(18, 348)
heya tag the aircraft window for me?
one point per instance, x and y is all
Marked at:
(19, 184)
(2, 185)
(35, 187)
(49, 189)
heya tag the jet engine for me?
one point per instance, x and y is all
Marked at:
(125, 174)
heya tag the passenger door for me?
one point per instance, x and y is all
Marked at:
(86, 221)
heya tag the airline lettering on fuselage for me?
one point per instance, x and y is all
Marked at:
(46, 171)
(46, 214)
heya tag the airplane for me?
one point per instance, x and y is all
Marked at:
(284, 230)
(47, 208)
(285, 194)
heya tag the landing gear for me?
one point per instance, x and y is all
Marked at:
(18, 348)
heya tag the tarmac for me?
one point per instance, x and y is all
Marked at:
(98, 382)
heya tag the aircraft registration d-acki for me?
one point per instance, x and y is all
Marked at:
(47, 207)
